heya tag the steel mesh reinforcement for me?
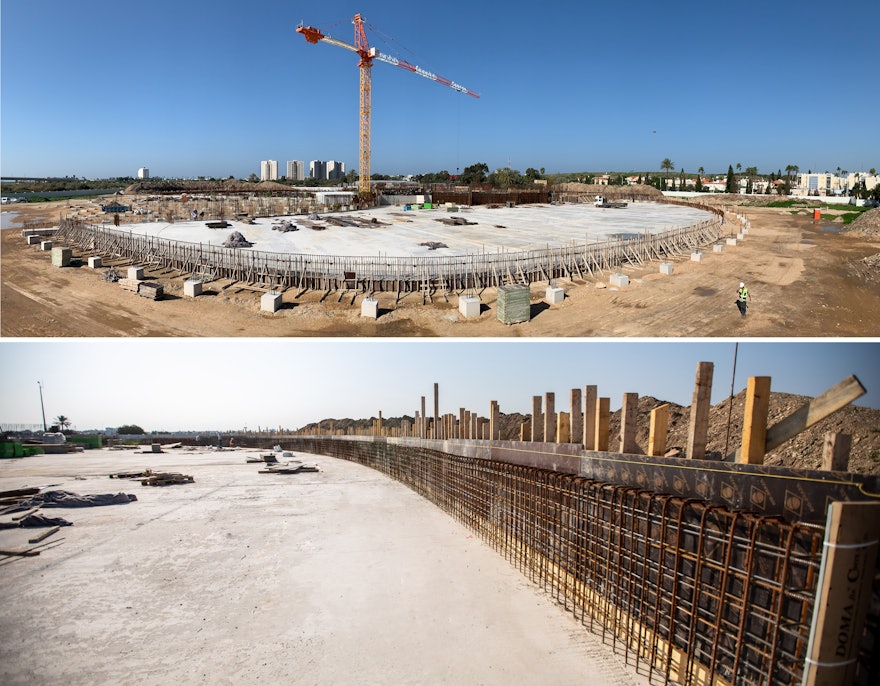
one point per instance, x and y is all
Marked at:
(688, 592)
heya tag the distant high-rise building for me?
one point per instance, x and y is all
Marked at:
(269, 170)
(143, 173)
(296, 170)
(318, 169)
(335, 170)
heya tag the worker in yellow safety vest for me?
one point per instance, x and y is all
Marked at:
(742, 296)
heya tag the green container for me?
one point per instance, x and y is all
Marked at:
(514, 304)
(428, 206)
(89, 442)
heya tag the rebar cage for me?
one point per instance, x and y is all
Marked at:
(688, 592)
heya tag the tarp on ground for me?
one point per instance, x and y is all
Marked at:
(69, 499)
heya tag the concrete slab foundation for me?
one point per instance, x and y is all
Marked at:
(554, 295)
(46, 245)
(370, 308)
(469, 306)
(731, 241)
(696, 257)
(192, 288)
(33, 240)
(718, 248)
(619, 280)
(136, 273)
(270, 302)
(666, 268)
(95, 262)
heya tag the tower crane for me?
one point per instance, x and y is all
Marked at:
(367, 55)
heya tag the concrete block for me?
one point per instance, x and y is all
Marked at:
(270, 302)
(370, 308)
(469, 306)
(718, 248)
(730, 241)
(619, 280)
(61, 257)
(46, 245)
(666, 267)
(740, 235)
(554, 295)
(136, 273)
(95, 262)
(192, 288)
(33, 240)
(696, 257)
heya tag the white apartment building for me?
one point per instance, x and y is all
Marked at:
(318, 169)
(335, 169)
(826, 184)
(296, 170)
(269, 170)
(143, 173)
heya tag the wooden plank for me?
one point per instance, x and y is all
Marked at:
(698, 429)
(852, 531)
(603, 419)
(45, 534)
(835, 451)
(814, 411)
(659, 430)
(628, 423)
(20, 553)
(24, 515)
(590, 396)
(754, 434)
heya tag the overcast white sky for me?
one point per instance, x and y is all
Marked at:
(231, 384)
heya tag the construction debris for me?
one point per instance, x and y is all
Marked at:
(290, 468)
(222, 224)
(146, 289)
(45, 534)
(433, 245)
(456, 221)
(167, 479)
(111, 275)
(284, 227)
(236, 240)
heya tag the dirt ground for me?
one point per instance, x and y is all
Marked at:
(333, 577)
(802, 277)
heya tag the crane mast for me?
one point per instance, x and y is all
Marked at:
(367, 54)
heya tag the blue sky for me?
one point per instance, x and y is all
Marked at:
(192, 88)
(230, 384)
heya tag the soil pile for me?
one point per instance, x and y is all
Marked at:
(868, 224)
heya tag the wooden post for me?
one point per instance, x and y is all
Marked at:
(659, 430)
(525, 431)
(754, 435)
(563, 427)
(603, 419)
(537, 419)
(590, 394)
(550, 417)
(852, 531)
(423, 433)
(835, 452)
(698, 429)
(577, 417)
(437, 411)
(628, 423)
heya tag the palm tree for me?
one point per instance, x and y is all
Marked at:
(62, 421)
(666, 165)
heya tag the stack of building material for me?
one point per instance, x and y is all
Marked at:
(514, 305)
(167, 479)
